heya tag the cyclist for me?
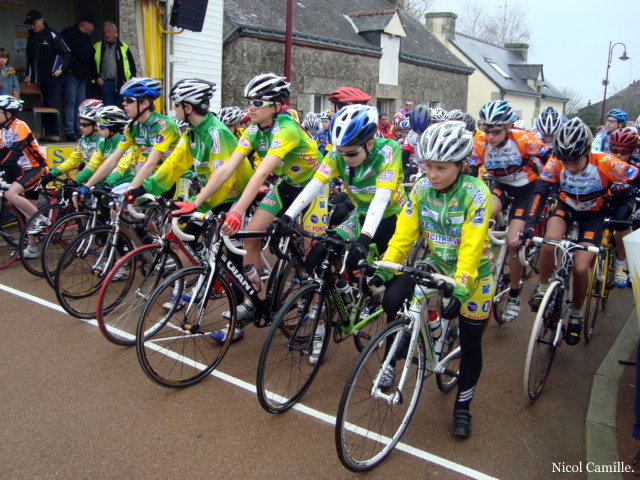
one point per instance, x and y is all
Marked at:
(286, 152)
(230, 117)
(455, 114)
(419, 120)
(438, 115)
(403, 129)
(584, 177)
(371, 171)
(322, 137)
(624, 145)
(506, 154)
(547, 125)
(616, 119)
(22, 162)
(452, 211)
(343, 96)
(311, 124)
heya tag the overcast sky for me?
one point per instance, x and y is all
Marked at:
(571, 39)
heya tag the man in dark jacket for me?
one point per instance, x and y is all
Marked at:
(113, 65)
(47, 57)
(75, 78)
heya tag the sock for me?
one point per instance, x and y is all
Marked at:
(621, 263)
(577, 314)
(514, 292)
(320, 330)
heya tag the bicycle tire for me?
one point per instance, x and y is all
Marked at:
(127, 287)
(284, 370)
(609, 270)
(58, 239)
(359, 448)
(11, 227)
(52, 213)
(446, 381)
(503, 284)
(174, 351)
(541, 349)
(81, 269)
(592, 301)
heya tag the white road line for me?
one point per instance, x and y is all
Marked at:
(312, 412)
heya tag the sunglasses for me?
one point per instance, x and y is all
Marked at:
(259, 103)
(102, 127)
(351, 154)
(129, 100)
(494, 131)
(85, 125)
(620, 151)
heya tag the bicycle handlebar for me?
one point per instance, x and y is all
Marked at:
(185, 237)
(494, 237)
(539, 241)
(448, 283)
(133, 212)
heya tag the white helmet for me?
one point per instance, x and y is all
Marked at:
(8, 102)
(88, 109)
(111, 115)
(267, 86)
(438, 114)
(231, 115)
(193, 91)
(327, 114)
(311, 121)
(448, 141)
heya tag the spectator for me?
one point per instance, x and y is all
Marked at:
(8, 77)
(75, 78)
(408, 106)
(384, 127)
(47, 57)
(113, 65)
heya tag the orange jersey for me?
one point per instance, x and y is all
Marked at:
(586, 190)
(510, 164)
(19, 146)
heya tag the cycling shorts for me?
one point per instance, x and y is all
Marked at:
(520, 196)
(28, 178)
(621, 209)
(478, 306)
(591, 223)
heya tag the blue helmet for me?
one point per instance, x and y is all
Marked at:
(497, 112)
(138, 87)
(420, 118)
(618, 114)
(404, 125)
(354, 125)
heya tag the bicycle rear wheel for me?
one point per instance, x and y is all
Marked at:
(609, 271)
(128, 286)
(447, 380)
(11, 227)
(593, 299)
(542, 346)
(52, 213)
(370, 422)
(172, 337)
(284, 370)
(503, 284)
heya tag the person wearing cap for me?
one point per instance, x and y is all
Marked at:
(75, 78)
(48, 56)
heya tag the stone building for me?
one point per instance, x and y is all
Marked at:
(370, 44)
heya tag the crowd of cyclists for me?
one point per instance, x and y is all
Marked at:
(350, 173)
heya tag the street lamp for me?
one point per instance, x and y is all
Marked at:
(605, 82)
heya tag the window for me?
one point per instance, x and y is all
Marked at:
(319, 103)
(385, 105)
(498, 68)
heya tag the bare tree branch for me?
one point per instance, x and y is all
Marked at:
(498, 27)
(418, 8)
(575, 101)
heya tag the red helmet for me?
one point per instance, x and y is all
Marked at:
(624, 137)
(349, 95)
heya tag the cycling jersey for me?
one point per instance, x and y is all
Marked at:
(322, 138)
(585, 191)
(124, 171)
(510, 163)
(286, 140)
(204, 147)
(82, 153)
(454, 223)
(382, 169)
(409, 145)
(157, 133)
(601, 142)
(19, 147)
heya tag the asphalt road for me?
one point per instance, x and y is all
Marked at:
(76, 406)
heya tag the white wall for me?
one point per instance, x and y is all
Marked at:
(388, 73)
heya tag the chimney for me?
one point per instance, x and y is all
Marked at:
(442, 25)
(521, 49)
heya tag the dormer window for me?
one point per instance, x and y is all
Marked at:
(498, 68)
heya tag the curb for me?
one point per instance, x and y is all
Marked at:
(601, 438)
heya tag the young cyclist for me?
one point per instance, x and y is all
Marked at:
(455, 114)
(322, 137)
(311, 124)
(452, 211)
(404, 128)
(343, 96)
(419, 120)
(584, 177)
(230, 118)
(438, 115)
(286, 152)
(547, 125)
(616, 119)
(21, 160)
(507, 154)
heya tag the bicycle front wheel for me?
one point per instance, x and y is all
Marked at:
(11, 227)
(127, 288)
(503, 284)
(593, 299)
(173, 341)
(52, 213)
(542, 346)
(372, 419)
(285, 371)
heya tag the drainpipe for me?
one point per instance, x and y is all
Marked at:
(288, 41)
(167, 58)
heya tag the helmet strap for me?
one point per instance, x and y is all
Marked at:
(9, 120)
(140, 112)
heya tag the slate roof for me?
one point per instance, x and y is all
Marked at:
(329, 23)
(480, 53)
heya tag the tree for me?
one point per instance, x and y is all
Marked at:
(500, 27)
(575, 101)
(418, 8)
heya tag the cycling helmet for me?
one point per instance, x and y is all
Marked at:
(456, 114)
(10, 103)
(325, 114)
(179, 123)
(354, 125)
(349, 95)
(267, 86)
(246, 117)
(111, 116)
(572, 140)
(193, 91)
(398, 118)
(624, 137)
(420, 118)
(618, 114)
(438, 114)
(89, 109)
(140, 87)
(311, 121)
(448, 141)
(469, 122)
(90, 102)
(404, 125)
(497, 112)
(548, 122)
(231, 115)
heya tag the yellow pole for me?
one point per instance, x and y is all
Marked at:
(152, 39)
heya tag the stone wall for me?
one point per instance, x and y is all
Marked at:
(128, 30)
(423, 85)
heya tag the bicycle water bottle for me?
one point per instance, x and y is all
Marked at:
(434, 324)
(253, 277)
(346, 291)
